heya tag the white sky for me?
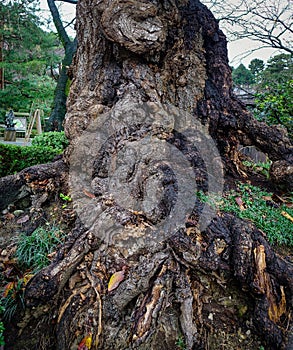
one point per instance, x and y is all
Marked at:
(237, 50)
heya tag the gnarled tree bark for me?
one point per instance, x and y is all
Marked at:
(149, 60)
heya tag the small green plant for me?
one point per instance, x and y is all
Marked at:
(65, 198)
(261, 348)
(54, 139)
(12, 298)
(180, 343)
(252, 203)
(259, 167)
(2, 328)
(32, 251)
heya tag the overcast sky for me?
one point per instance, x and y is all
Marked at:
(237, 50)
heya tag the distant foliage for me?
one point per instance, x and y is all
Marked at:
(27, 53)
(278, 70)
(275, 105)
(54, 139)
(242, 76)
(22, 93)
(256, 67)
(16, 158)
(273, 87)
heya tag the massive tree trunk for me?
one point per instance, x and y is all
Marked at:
(152, 119)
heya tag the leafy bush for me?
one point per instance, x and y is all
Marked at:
(259, 208)
(32, 251)
(15, 158)
(54, 139)
(275, 105)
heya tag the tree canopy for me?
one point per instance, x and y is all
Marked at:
(242, 76)
(272, 84)
(27, 52)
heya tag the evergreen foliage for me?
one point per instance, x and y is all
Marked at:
(256, 67)
(273, 87)
(242, 76)
(27, 52)
(279, 69)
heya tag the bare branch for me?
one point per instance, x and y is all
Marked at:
(266, 21)
(74, 2)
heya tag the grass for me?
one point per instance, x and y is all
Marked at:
(32, 251)
(180, 343)
(32, 254)
(254, 204)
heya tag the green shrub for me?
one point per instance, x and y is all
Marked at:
(54, 139)
(15, 158)
(275, 105)
(32, 251)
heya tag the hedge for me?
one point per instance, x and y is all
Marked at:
(15, 158)
(54, 139)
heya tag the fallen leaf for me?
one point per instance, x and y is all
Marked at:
(240, 203)
(277, 198)
(9, 216)
(9, 286)
(86, 343)
(23, 219)
(88, 194)
(83, 297)
(4, 252)
(51, 255)
(115, 280)
(27, 277)
(74, 279)
(287, 216)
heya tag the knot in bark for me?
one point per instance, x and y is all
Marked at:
(134, 25)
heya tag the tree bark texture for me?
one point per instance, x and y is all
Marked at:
(198, 283)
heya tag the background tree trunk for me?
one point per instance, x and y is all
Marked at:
(178, 284)
(59, 104)
(59, 110)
